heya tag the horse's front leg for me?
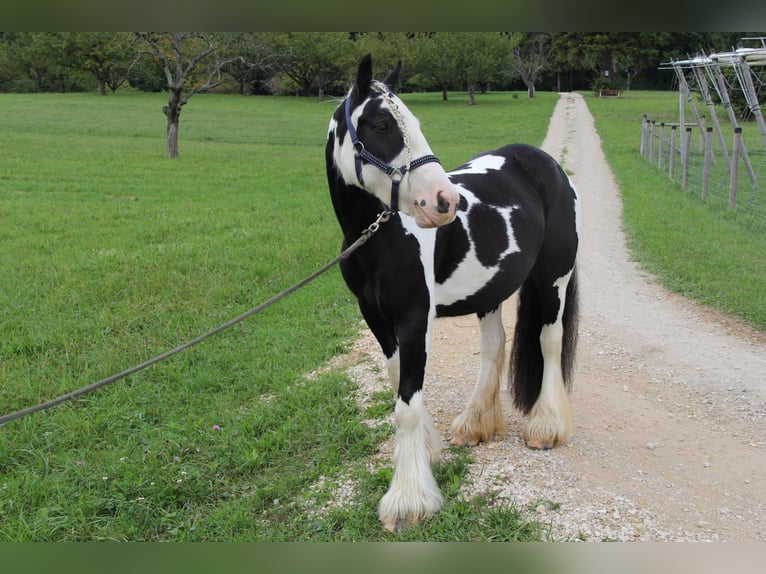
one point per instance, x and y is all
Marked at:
(413, 493)
(483, 416)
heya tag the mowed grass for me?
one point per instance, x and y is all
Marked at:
(700, 249)
(113, 253)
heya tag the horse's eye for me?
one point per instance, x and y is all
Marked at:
(381, 127)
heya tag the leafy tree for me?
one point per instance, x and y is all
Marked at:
(10, 70)
(530, 58)
(586, 51)
(633, 53)
(191, 62)
(481, 57)
(109, 56)
(314, 61)
(43, 62)
(437, 59)
(147, 74)
(469, 59)
(251, 60)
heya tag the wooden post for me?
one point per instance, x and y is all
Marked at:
(726, 100)
(685, 93)
(708, 161)
(662, 146)
(685, 151)
(681, 107)
(752, 98)
(734, 167)
(643, 136)
(701, 75)
(672, 159)
(651, 142)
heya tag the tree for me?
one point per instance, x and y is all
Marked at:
(610, 55)
(530, 58)
(109, 56)
(314, 61)
(436, 59)
(251, 60)
(10, 70)
(191, 62)
(480, 57)
(634, 51)
(586, 51)
(43, 62)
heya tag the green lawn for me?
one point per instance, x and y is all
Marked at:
(113, 254)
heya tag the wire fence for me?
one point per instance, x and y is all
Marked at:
(719, 170)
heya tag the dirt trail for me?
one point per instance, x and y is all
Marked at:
(669, 398)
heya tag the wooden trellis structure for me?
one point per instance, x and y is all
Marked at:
(706, 73)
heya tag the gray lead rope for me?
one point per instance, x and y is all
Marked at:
(366, 234)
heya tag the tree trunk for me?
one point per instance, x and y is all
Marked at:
(471, 94)
(102, 86)
(172, 137)
(173, 113)
(530, 84)
(444, 92)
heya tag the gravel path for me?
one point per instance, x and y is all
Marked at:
(669, 398)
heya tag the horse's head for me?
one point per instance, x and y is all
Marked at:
(378, 146)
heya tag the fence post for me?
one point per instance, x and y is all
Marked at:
(643, 136)
(708, 161)
(734, 167)
(651, 141)
(685, 151)
(662, 146)
(672, 159)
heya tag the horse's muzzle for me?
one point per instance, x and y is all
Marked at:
(441, 210)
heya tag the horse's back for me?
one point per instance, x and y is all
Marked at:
(508, 198)
(514, 174)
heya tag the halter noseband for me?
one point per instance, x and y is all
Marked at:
(395, 173)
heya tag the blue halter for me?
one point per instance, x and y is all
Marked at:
(395, 173)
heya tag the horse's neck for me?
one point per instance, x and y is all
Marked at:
(355, 208)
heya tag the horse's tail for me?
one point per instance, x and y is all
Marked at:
(526, 361)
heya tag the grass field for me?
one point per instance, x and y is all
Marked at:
(113, 254)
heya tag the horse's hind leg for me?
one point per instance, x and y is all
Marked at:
(550, 418)
(483, 416)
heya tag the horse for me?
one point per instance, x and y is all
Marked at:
(447, 244)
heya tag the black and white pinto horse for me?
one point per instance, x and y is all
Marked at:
(457, 242)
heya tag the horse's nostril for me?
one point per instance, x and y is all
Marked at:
(442, 205)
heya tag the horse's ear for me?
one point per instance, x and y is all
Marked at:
(363, 79)
(392, 78)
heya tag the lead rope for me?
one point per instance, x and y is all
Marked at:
(363, 238)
